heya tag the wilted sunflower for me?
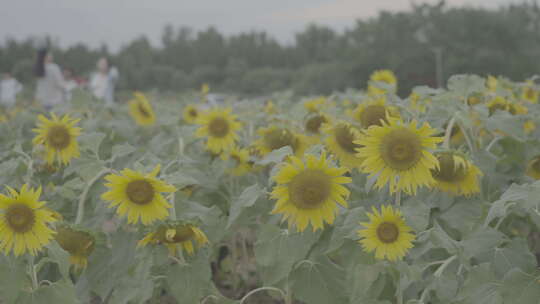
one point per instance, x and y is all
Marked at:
(219, 127)
(340, 141)
(77, 242)
(176, 236)
(456, 175)
(309, 191)
(59, 136)
(398, 154)
(24, 222)
(387, 234)
(373, 112)
(529, 93)
(241, 161)
(141, 110)
(138, 195)
(190, 114)
(533, 168)
(273, 138)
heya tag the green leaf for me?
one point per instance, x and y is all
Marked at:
(515, 255)
(247, 198)
(319, 282)
(416, 214)
(14, 279)
(57, 293)
(481, 241)
(122, 150)
(91, 141)
(360, 282)
(480, 287)
(61, 257)
(277, 250)
(520, 288)
(346, 227)
(188, 283)
(466, 85)
(275, 156)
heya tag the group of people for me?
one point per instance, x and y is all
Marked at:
(55, 87)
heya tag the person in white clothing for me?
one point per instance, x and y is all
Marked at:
(70, 84)
(103, 81)
(50, 89)
(9, 88)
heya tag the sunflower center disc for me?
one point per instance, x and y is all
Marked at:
(182, 234)
(313, 124)
(140, 192)
(387, 232)
(345, 139)
(142, 109)
(310, 189)
(529, 93)
(448, 171)
(373, 115)
(218, 127)
(401, 149)
(193, 113)
(20, 218)
(280, 138)
(59, 137)
(536, 165)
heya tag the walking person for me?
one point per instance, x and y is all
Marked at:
(9, 88)
(103, 81)
(50, 89)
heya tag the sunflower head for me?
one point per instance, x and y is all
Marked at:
(138, 195)
(77, 242)
(340, 141)
(273, 138)
(492, 83)
(474, 100)
(498, 103)
(398, 154)
(205, 89)
(314, 122)
(240, 157)
(373, 112)
(456, 174)
(533, 167)
(386, 77)
(141, 110)
(24, 222)
(309, 191)
(529, 93)
(220, 128)
(529, 126)
(190, 114)
(270, 107)
(176, 235)
(418, 103)
(59, 137)
(387, 234)
(314, 105)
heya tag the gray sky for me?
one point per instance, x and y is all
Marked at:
(116, 22)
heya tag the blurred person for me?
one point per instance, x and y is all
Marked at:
(103, 81)
(70, 84)
(50, 89)
(9, 88)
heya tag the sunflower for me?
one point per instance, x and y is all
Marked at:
(387, 234)
(398, 154)
(383, 76)
(273, 138)
(176, 236)
(373, 112)
(491, 83)
(24, 222)
(341, 143)
(241, 161)
(59, 136)
(529, 93)
(529, 126)
(309, 191)
(474, 100)
(456, 175)
(138, 195)
(314, 105)
(269, 107)
(141, 110)
(190, 114)
(417, 103)
(533, 168)
(219, 126)
(77, 242)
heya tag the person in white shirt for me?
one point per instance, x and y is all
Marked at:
(9, 88)
(103, 81)
(70, 84)
(51, 87)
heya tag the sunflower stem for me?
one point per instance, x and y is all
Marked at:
(172, 213)
(441, 268)
(398, 198)
(448, 133)
(32, 273)
(264, 288)
(80, 207)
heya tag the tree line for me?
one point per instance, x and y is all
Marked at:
(503, 41)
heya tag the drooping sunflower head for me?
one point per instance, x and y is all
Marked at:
(220, 128)
(240, 157)
(24, 222)
(340, 141)
(77, 242)
(190, 114)
(59, 137)
(387, 234)
(456, 174)
(533, 167)
(315, 104)
(529, 93)
(399, 155)
(141, 110)
(138, 195)
(176, 236)
(273, 138)
(373, 112)
(309, 191)
(314, 122)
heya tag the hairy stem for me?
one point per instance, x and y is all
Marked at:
(80, 207)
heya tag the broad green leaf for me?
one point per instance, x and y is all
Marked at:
(416, 214)
(275, 156)
(188, 283)
(91, 141)
(14, 278)
(122, 150)
(521, 288)
(466, 84)
(481, 287)
(515, 255)
(246, 199)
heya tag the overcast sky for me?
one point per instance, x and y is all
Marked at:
(116, 22)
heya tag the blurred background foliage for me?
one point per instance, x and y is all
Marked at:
(505, 41)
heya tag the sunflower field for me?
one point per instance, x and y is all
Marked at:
(358, 197)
